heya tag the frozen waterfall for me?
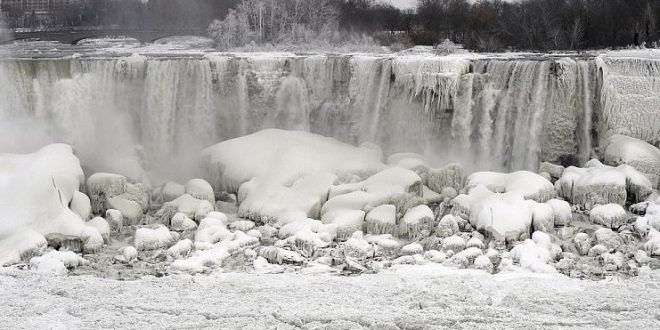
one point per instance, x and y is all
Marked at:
(156, 113)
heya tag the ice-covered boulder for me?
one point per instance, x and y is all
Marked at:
(602, 184)
(281, 176)
(200, 189)
(35, 193)
(171, 190)
(92, 239)
(212, 230)
(114, 191)
(382, 220)
(582, 243)
(181, 249)
(115, 220)
(450, 176)
(555, 171)
(506, 216)
(563, 215)
(157, 237)
(102, 226)
(609, 215)
(528, 184)
(543, 216)
(447, 226)
(81, 205)
(180, 222)
(67, 259)
(639, 154)
(417, 219)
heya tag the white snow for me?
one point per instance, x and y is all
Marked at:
(35, 191)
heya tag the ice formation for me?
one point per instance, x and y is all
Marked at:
(639, 154)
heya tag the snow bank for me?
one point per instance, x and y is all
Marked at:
(35, 193)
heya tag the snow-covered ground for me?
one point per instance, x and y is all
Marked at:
(409, 297)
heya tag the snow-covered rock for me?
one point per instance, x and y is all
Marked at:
(81, 205)
(528, 184)
(200, 189)
(171, 191)
(382, 220)
(157, 237)
(102, 226)
(114, 191)
(181, 249)
(92, 239)
(453, 243)
(35, 191)
(602, 184)
(543, 216)
(582, 243)
(284, 175)
(451, 176)
(180, 222)
(129, 253)
(609, 215)
(563, 214)
(447, 226)
(639, 154)
(417, 219)
(411, 249)
(533, 256)
(57, 262)
(115, 220)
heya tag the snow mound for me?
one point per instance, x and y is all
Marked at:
(639, 154)
(35, 193)
(533, 256)
(530, 185)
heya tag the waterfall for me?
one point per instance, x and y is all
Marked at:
(127, 114)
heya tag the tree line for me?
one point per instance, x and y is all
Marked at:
(483, 25)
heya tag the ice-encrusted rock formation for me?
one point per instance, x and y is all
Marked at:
(35, 193)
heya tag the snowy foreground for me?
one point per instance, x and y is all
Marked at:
(405, 297)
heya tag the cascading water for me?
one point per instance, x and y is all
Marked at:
(501, 114)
